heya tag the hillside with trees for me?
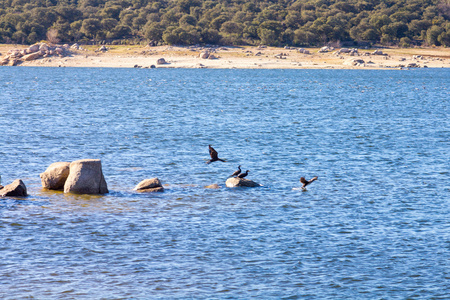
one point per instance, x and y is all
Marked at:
(230, 22)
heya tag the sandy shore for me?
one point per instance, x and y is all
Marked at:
(241, 58)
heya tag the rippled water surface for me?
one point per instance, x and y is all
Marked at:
(375, 225)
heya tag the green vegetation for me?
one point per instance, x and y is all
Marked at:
(187, 22)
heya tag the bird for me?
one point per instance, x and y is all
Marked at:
(237, 172)
(242, 175)
(306, 182)
(213, 154)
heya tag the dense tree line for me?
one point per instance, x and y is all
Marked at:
(239, 22)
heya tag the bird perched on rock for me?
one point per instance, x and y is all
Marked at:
(242, 175)
(306, 182)
(214, 155)
(237, 172)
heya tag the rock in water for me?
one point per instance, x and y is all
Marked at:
(86, 177)
(55, 176)
(149, 185)
(240, 182)
(16, 189)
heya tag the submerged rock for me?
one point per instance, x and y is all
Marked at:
(16, 189)
(149, 186)
(240, 182)
(213, 186)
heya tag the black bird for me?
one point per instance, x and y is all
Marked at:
(214, 155)
(237, 172)
(306, 182)
(242, 175)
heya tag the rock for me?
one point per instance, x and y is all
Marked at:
(204, 55)
(13, 62)
(358, 62)
(16, 189)
(44, 47)
(212, 56)
(344, 50)
(32, 56)
(86, 177)
(304, 51)
(240, 182)
(413, 65)
(33, 48)
(55, 176)
(161, 61)
(214, 186)
(325, 49)
(59, 51)
(152, 190)
(148, 184)
(377, 52)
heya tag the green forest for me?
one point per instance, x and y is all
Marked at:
(401, 23)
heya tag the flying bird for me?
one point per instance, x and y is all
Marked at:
(237, 172)
(242, 175)
(306, 182)
(214, 155)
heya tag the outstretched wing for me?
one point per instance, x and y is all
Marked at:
(213, 153)
(312, 179)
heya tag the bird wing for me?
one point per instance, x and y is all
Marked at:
(314, 178)
(237, 172)
(213, 153)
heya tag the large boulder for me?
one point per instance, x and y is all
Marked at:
(240, 182)
(55, 176)
(16, 189)
(149, 185)
(86, 177)
(33, 48)
(32, 56)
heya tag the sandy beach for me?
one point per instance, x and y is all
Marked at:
(240, 57)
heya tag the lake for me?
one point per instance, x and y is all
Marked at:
(375, 225)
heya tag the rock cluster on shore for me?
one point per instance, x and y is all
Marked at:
(36, 51)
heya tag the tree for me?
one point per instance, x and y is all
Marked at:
(90, 27)
(270, 32)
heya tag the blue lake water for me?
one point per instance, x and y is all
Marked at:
(375, 225)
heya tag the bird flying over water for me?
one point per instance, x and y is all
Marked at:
(214, 155)
(237, 172)
(306, 182)
(242, 175)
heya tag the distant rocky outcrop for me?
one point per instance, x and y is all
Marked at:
(86, 177)
(149, 185)
(240, 182)
(33, 52)
(16, 189)
(55, 176)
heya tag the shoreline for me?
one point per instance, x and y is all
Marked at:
(243, 57)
